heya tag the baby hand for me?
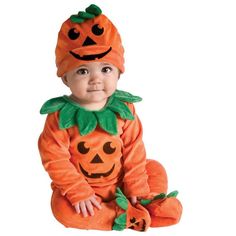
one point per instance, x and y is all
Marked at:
(133, 200)
(87, 206)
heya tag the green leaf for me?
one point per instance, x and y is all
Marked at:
(52, 105)
(173, 194)
(121, 219)
(126, 97)
(118, 227)
(107, 121)
(76, 19)
(67, 116)
(121, 199)
(120, 222)
(119, 193)
(86, 121)
(160, 196)
(85, 15)
(145, 202)
(122, 203)
(94, 9)
(122, 109)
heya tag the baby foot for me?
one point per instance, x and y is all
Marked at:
(164, 210)
(132, 217)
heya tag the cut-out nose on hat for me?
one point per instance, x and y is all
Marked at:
(88, 41)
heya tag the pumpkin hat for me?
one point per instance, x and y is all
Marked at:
(87, 37)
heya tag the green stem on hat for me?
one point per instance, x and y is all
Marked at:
(94, 9)
(90, 12)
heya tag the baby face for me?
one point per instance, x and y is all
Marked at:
(92, 82)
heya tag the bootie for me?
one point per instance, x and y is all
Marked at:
(164, 210)
(129, 216)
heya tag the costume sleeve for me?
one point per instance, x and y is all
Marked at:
(54, 150)
(134, 158)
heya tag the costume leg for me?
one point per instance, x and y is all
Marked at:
(65, 213)
(165, 211)
(115, 214)
(157, 177)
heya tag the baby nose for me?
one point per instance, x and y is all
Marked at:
(95, 79)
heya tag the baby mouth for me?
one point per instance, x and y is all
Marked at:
(95, 90)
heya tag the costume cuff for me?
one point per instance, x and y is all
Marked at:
(136, 188)
(79, 193)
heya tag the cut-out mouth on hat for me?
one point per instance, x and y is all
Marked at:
(90, 57)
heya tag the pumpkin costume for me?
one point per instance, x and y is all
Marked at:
(101, 152)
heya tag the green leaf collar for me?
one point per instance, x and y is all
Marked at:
(71, 113)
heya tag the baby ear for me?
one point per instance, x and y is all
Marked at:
(64, 80)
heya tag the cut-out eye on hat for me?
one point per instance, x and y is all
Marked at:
(82, 149)
(97, 30)
(73, 34)
(108, 149)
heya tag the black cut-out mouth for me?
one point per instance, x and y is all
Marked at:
(144, 225)
(90, 57)
(96, 175)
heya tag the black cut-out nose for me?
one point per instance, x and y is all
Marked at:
(88, 41)
(97, 159)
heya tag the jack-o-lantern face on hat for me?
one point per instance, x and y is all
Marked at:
(91, 39)
(95, 39)
(98, 158)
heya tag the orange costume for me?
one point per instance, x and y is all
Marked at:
(101, 152)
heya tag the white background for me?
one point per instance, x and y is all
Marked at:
(180, 57)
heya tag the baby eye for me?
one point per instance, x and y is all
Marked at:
(82, 71)
(106, 69)
(73, 34)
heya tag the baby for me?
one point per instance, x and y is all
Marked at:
(91, 145)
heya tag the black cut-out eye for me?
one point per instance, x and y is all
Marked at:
(133, 220)
(73, 34)
(108, 149)
(82, 149)
(97, 30)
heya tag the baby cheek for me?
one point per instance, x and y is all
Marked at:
(79, 88)
(111, 85)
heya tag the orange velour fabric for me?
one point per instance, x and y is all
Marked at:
(80, 166)
(137, 216)
(100, 153)
(71, 170)
(162, 213)
(97, 40)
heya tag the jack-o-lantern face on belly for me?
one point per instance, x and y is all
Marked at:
(99, 158)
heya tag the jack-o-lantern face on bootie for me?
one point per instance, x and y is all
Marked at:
(129, 216)
(86, 37)
(98, 158)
